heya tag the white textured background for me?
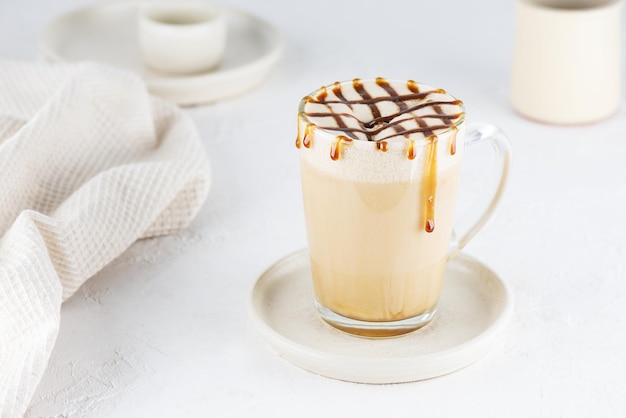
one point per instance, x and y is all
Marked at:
(163, 331)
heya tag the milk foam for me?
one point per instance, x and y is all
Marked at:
(360, 157)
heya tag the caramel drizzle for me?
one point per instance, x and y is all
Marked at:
(455, 131)
(410, 152)
(308, 135)
(412, 86)
(307, 139)
(336, 147)
(298, 140)
(429, 189)
(381, 146)
(322, 95)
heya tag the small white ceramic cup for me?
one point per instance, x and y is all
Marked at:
(179, 37)
(567, 60)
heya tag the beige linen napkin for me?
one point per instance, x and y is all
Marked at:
(89, 163)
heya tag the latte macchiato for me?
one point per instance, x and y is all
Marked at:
(380, 161)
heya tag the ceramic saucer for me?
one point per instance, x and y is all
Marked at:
(475, 305)
(108, 33)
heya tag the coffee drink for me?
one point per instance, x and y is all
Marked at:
(380, 161)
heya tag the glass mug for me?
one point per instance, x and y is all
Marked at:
(380, 161)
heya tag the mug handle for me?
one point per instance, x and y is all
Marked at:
(474, 218)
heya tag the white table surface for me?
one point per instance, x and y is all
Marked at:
(163, 331)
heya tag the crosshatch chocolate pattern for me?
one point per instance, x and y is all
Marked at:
(418, 112)
(384, 122)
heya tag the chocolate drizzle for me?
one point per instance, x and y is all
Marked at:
(407, 106)
(393, 114)
(358, 87)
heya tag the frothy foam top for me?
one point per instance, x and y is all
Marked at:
(380, 110)
(379, 131)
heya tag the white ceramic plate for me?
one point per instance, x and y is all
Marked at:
(475, 305)
(108, 33)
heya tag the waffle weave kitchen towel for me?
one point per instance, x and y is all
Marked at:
(89, 163)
